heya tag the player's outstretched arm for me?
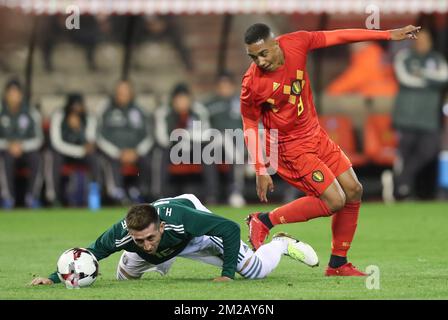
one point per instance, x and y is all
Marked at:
(335, 37)
(41, 281)
(408, 32)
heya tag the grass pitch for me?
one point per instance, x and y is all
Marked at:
(407, 242)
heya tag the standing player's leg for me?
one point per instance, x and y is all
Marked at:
(344, 224)
(344, 221)
(324, 197)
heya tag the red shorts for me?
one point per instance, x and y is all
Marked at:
(314, 169)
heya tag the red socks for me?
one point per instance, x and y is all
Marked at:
(302, 209)
(343, 227)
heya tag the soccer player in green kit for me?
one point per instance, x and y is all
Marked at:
(153, 235)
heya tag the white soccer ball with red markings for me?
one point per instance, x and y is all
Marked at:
(77, 268)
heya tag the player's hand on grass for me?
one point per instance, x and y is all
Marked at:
(264, 183)
(408, 32)
(222, 279)
(41, 281)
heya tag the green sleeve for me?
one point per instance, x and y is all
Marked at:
(54, 277)
(104, 246)
(199, 223)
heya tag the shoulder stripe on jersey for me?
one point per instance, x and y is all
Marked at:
(123, 243)
(177, 231)
(181, 227)
(125, 238)
(174, 226)
(160, 203)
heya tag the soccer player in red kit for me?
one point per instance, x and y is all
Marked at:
(276, 89)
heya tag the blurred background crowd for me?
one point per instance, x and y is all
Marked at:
(86, 114)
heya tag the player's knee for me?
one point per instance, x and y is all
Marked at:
(259, 275)
(354, 192)
(122, 274)
(336, 203)
(254, 268)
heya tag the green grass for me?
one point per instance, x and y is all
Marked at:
(408, 242)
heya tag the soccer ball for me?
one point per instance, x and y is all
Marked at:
(77, 267)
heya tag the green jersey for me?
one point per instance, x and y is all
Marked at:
(183, 222)
(422, 79)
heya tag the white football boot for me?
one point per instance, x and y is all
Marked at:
(298, 250)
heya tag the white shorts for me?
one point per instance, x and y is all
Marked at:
(207, 249)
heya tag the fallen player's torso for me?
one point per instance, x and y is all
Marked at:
(174, 238)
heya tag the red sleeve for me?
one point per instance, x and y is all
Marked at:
(318, 39)
(342, 36)
(251, 115)
(306, 39)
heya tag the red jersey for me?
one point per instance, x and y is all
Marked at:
(282, 99)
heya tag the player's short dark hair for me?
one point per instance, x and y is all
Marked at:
(13, 82)
(180, 88)
(225, 75)
(257, 32)
(72, 99)
(141, 216)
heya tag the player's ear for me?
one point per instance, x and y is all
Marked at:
(274, 44)
(162, 227)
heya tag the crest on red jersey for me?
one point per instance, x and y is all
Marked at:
(318, 176)
(296, 87)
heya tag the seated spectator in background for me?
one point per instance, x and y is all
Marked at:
(125, 138)
(181, 113)
(224, 111)
(422, 74)
(72, 137)
(367, 73)
(21, 138)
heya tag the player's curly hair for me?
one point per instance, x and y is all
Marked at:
(141, 216)
(257, 32)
